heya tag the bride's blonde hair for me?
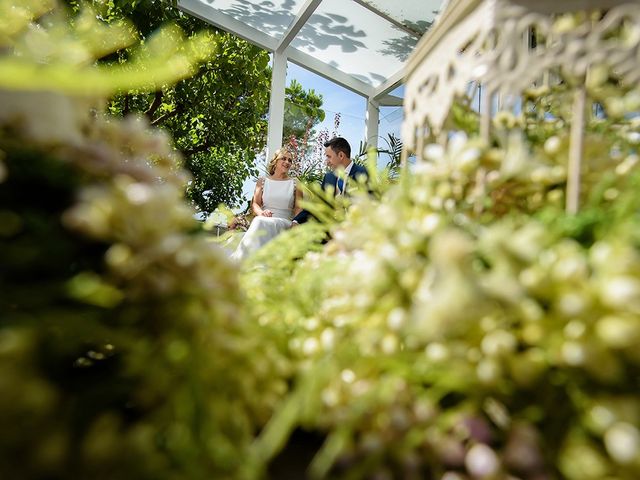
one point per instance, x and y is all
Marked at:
(271, 166)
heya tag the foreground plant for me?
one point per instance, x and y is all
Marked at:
(464, 326)
(122, 334)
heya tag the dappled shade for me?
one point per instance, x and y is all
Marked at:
(366, 40)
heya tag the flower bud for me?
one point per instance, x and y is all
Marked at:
(618, 331)
(621, 292)
(481, 461)
(622, 441)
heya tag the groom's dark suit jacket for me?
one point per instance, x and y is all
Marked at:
(330, 179)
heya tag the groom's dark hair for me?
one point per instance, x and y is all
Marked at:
(339, 144)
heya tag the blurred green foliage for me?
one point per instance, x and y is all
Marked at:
(57, 54)
(123, 342)
(436, 340)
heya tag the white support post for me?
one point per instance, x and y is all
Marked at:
(276, 103)
(576, 150)
(373, 118)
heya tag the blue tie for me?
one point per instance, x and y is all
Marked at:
(340, 186)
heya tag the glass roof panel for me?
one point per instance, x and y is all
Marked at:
(353, 39)
(272, 17)
(416, 15)
(347, 36)
(398, 91)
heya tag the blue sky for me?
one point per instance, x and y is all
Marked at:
(352, 109)
(351, 106)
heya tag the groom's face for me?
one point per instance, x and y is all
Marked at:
(333, 158)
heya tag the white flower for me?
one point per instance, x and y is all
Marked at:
(575, 329)
(488, 371)
(622, 441)
(328, 338)
(552, 145)
(389, 344)
(396, 319)
(430, 223)
(330, 397)
(481, 461)
(624, 167)
(618, 331)
(621, 292)
(573, 353)
(572, 304)
(633, 138)
(310, 346)
(348, 376)
(498, 343)
(436, 352)
(433, 152)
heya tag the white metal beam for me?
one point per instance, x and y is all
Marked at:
(210, 15)
(390, 101)
(330, 73)
(227, 23)
(305, 12)
(392, 82)
(373, 120)
(276, 103)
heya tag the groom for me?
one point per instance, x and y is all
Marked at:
(338, 155)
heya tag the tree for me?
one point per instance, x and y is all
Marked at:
(302, 111)
(218, 117)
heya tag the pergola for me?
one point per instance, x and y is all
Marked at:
(361, 45)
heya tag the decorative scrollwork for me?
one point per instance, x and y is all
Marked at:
(490, 46)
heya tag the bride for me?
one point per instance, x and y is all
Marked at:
(275, 203)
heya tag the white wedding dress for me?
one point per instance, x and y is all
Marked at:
(279, 197)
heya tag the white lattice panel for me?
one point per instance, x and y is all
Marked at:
(488, 45)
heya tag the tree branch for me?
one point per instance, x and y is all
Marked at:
(157, 101)
(125, 108)
(200, 148)
(166, 116)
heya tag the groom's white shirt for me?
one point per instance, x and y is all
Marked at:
(347, 171)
